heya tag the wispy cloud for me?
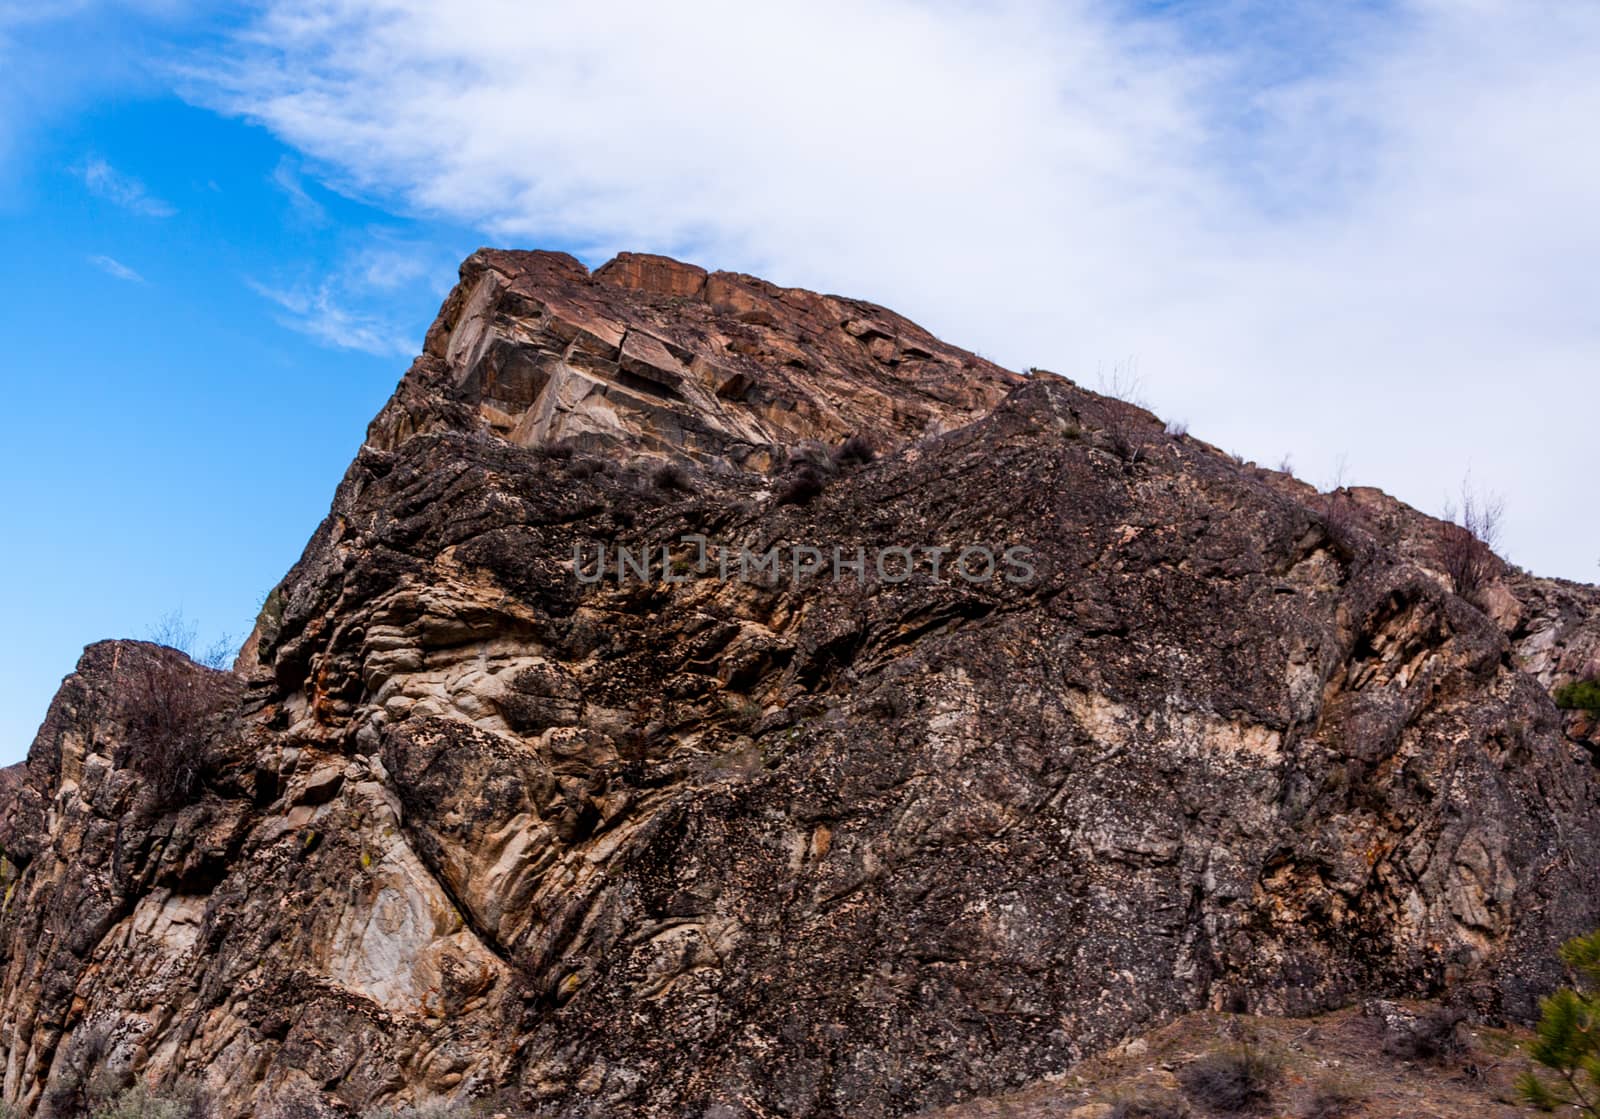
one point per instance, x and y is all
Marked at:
(123, 190)
(286, 177)
(1386, 209)
(318, 313)
(386, 268)
(111, 266)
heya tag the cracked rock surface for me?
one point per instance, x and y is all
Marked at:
(469, 826)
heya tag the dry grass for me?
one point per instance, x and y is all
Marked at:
(1232, 1080)
(1332, 1067)
(1333, 1097)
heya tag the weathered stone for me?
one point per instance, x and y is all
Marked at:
(693, 846)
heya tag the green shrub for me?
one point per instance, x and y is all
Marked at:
(1579, 695)
(1568, 1039)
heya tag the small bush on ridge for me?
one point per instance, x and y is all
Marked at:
(168, 707)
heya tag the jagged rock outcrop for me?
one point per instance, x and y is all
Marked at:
(483, 822)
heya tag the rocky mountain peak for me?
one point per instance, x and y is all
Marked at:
(870, 828)
(665, 358)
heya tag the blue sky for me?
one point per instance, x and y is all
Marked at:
(1349, 232)
(179, 417)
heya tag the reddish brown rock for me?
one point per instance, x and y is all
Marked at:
(658, 275)
(479, 829)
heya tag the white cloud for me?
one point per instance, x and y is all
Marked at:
(114, 267)
(286, 177)
(319, 313)
(107, 182)
(1318, 228)
(383, 267)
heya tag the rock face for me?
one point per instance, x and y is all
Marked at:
(482, 819)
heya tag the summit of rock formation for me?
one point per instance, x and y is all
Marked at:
(662, 357)
(486, 814)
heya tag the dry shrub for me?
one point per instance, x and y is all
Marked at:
(139, 1103)
(1123, 413)
(1147, 1104)
(1433, 1035)
(854, 451)
(1233, 1080)
(168, 707)
(177, 632)
(1340, 520)
(672, 476)
(1332, 1098)
(802, 485)
(1467, 538)
(1125, 431)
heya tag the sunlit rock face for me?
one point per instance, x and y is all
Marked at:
(829, 838)
(650, 355)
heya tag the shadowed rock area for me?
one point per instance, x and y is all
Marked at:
(465, 825)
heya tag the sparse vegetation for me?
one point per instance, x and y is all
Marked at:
(1177, 428)
(1124, 424)
(1147, 1104)
(177, 632)
(1433, 1035)
(672, 476)
(1332, 1098)
(1340, 519)
(1237, 1079)
(167, 707)
(1467, 538)
(435, 1110)
(1121, 383)
(84, 1082)
(854, 451)
(1124, 431)
(1568, 1037)
(744, 711)
(802, 485)
(1579, 695)
(138, 1103)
